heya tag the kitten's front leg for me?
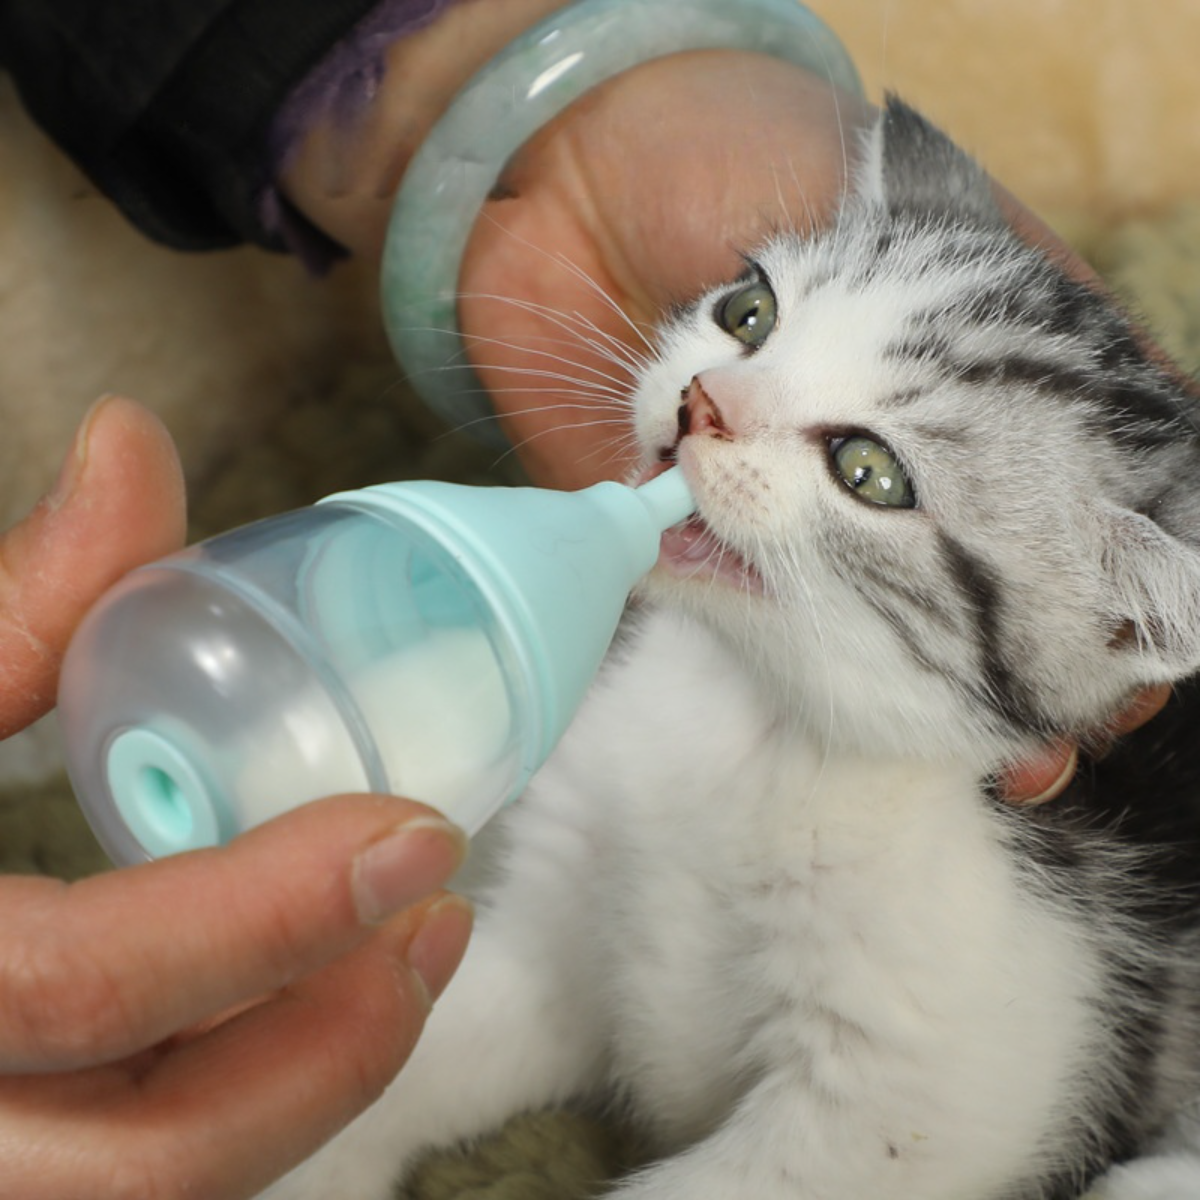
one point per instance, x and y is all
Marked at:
(776, 1145)
(789, 1140)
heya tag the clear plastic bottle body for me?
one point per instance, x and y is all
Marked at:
(331, 649)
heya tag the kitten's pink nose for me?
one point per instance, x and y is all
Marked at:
(699, 412)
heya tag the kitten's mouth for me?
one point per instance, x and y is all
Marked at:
(693, 551)
(690, 550)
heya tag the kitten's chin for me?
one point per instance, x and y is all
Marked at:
(691, 551)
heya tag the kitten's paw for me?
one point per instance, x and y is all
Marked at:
(1159, 1177)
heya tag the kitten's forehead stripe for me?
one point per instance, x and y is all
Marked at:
(1014, 369)
(903, 397)
(1120, 349)
(1075, 345)
(1140, 416)
(1133, 402)
(930, 348)
(951, 435)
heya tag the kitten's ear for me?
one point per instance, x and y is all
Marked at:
(910, 166)
(1154, 604)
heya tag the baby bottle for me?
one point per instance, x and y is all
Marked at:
(425, 639)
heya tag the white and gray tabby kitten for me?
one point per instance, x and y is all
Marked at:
(762, 900)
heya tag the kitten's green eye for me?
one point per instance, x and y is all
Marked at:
(872, 472)
(748, 314)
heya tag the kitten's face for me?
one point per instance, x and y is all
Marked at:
(919, 486)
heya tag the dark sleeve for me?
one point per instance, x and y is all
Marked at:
(167, 104)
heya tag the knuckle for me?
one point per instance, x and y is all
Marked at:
(389, 1009)
(150, 1173)
(283, 943)
(61, 1005)
(369, 1013)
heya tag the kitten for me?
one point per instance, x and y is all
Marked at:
(762, 900)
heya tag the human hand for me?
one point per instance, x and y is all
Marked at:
(639, 196)
(1043, 777)
(205, 1022)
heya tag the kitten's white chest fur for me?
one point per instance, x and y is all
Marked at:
(765, 909)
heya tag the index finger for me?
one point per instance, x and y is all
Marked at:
(96, 971)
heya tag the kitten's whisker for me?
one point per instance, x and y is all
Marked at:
(842, 135)
(590, 387)
(565, 361)
(565, 407)
(616, 448)
(806, 204)
(573, 319)
(582, 394)
(459, 360)
(464, 426)
(787, 220)
(594, 387)
(580, 330)
(595, 423)
(561, 261)
(571, 338)
(597, 290)
(576, 400)
(558, 429)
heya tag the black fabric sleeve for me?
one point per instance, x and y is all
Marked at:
(167, 104)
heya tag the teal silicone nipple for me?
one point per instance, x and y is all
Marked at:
(428, 639)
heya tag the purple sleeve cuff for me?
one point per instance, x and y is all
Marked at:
(340, 87)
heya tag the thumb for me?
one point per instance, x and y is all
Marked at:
(118, 502)
(1041, 777)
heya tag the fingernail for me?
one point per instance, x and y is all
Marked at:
(1146, 703)
(405, 866)
(1064, 777)
(71, 470)
(438, 946)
